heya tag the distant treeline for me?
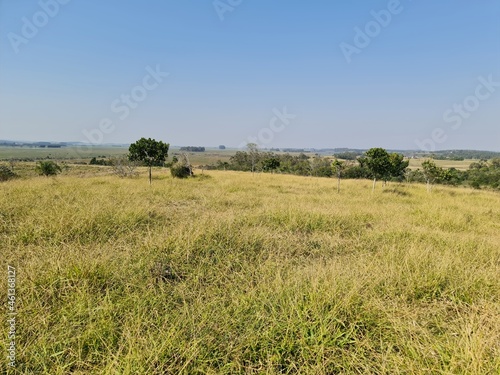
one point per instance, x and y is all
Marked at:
(95, 161)
(348, 155)
(461, 155)
(480, 174)
(193, 149)
(301, 165)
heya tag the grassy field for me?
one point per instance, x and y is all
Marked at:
(237, 273)
(461, 165)
(72, 154)
(65, 153)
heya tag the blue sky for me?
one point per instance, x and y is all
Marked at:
(232, 69)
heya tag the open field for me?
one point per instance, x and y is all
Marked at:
(64, 153)
(461, 165)
(73, 154)
(238, 273)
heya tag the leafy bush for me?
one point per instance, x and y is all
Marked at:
(48, 168)
(180, 170)
(6, 173)
(95, 161)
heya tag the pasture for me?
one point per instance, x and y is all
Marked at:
(233, 272)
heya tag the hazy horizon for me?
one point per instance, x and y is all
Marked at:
(233, 147)
(394, 74)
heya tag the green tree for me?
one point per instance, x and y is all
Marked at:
(495, 163)
(321, 167)
(398, 166)
(240, 161)
(48, 168)
(271, 164)
(379, 164)
(150, 152)
(222, 164)
(337, 168)
(432, 173)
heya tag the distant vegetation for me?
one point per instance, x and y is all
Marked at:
(349, 155)
(6, 173)
(48, 168)
(385, 166)
(95, 161)
(460, 155)
(483, 172)
(193, 149)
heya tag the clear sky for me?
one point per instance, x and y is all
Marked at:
(414, 74)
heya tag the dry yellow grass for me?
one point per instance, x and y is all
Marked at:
(242, 273)
(461, 165)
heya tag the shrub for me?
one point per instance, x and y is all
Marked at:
(48, 168)
(6, 173)
(123, 167)
(95, 161)
(180, 170)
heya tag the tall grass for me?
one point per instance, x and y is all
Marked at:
(242, 273)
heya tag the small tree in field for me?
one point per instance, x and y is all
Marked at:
(150, 152)
(431, 173)
(398, 166)
(48, 168)
(123, 166)
(378, 162)
(253, 152)
(337, 167)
